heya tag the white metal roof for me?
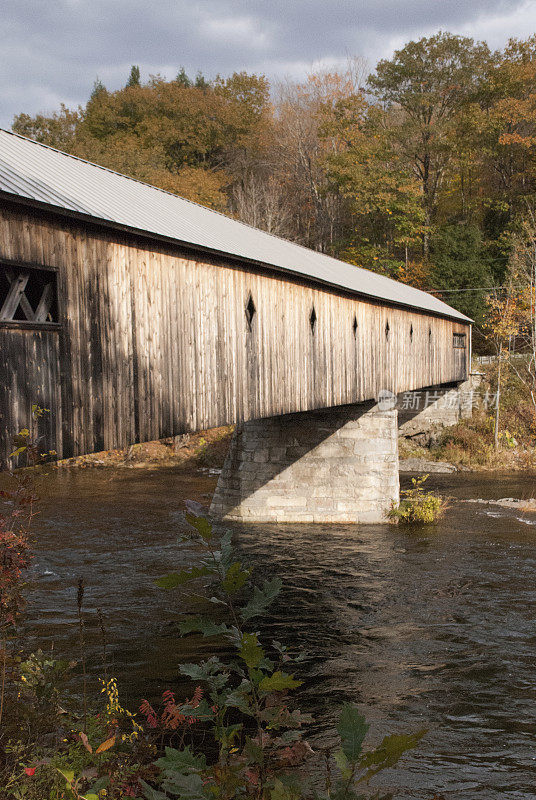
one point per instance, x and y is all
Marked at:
(40, 173)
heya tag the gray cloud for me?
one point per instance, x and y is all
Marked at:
(52, 50)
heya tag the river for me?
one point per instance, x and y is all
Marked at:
(432, 628)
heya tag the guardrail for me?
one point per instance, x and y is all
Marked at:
(490, 359)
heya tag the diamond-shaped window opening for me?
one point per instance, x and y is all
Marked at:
(250, 311)
(354, 327)
(312, 319)
(387, 329)
(411, 333)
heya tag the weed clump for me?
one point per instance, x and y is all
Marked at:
(418, 506)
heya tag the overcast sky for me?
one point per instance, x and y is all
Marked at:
(52, 50)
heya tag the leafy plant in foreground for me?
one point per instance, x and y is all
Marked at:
(259, 738)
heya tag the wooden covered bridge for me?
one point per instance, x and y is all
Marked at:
(133, 315)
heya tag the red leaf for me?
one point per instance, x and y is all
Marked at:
(30, 770)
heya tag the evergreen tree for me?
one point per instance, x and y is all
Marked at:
(459, 263)
(201, 82)
(134, 77)
(98, 89)
(182, 78)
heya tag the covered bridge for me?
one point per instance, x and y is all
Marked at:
(133, 314)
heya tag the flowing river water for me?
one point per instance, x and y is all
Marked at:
(432, 628)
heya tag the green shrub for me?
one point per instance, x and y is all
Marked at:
(418, 506)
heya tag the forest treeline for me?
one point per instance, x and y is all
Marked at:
(424, 170)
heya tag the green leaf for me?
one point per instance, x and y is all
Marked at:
(204, 626)
(181, 778)
(389, 752)
(253, 751)
(201, 525)
(343, 764)
(256, 676)
(180, 760)
(250, 650)
(174, 579)
(151, 794)
(262, 598)
(186, 787)
(241, 698)
(228, 734)
(226, 549)
(101, 783)
(202, 711)
(352, 728)
(68, 774)
(212, 672)
(281, 792)
(278, 682)
(235, 578)
(267, 665)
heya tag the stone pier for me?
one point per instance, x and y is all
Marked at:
(335, 465)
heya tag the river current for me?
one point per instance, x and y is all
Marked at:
(432, 628)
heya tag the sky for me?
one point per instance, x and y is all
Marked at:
(53, 50)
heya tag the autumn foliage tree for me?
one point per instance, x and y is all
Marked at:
(425, 86)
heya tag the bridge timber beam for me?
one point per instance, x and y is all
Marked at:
(337, 465)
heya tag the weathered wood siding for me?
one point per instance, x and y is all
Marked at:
(154, 342)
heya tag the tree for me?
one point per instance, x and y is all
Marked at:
(98, 90)
(429, 177)
(385, 218)
(190, 139)
(501, 324)
(201, 82)
(58, 130)
(260, 200)
(505, 122)
(134, 77)
(302, 142)
(428, 83)
(513, 318)
(458, 263)
(183, 79)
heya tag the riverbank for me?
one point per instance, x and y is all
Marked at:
(204, 450)
(469, 446)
